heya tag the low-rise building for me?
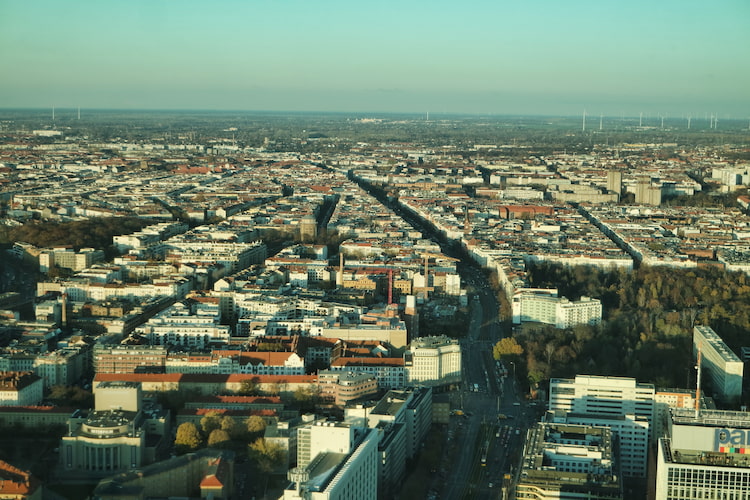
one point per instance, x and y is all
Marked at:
(17, 484)
(339, 387)
(20, 389)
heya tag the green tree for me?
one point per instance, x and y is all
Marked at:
(507, 346)
(188, 438)
(219, 438)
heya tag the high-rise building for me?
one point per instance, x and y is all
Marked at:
(619, 403)
(335, 461)
(614, 181)
(704, 456)
(719, 362)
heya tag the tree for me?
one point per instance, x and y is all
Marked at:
(255, 424)
(268, 454)
(306, 397)
(229, 425)
(210, 422)
(507, 347)
(188, 438)
(219, 438)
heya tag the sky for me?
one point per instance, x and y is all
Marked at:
(537, 57)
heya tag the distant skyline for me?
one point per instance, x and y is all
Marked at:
(545, 57)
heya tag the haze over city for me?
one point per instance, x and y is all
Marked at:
(542, 57)
(362, 251)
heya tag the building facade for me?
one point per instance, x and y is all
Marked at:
(544, 306)
(721, 365)
(704, 456)
(433, 361)
(20, 388)
(616, 402)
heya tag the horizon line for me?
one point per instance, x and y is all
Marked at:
(650, 115)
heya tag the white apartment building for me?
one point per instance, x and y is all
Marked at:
(433, 361)
(719, 362)
(704, 456)
(178, 325)
(81, 290)
(619, 403)
(389, 372)
(343, 464)
(544, 306)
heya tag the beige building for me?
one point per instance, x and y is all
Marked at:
(112, 437)
(340, 387)
(20, 389)
(433, 361)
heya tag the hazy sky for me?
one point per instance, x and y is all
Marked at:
(497, 56)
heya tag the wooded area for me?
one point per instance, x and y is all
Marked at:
(95, 233)
(646, 332)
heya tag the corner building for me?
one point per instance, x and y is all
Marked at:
(705, 456)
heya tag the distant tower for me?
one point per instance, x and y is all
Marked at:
(584, 120)
(614, 181)
(601, 118)
(53, 113)
(640, 120)
(688, 122)
(308, 228)
(79, 112)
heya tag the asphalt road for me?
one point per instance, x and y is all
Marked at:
(484, 397)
